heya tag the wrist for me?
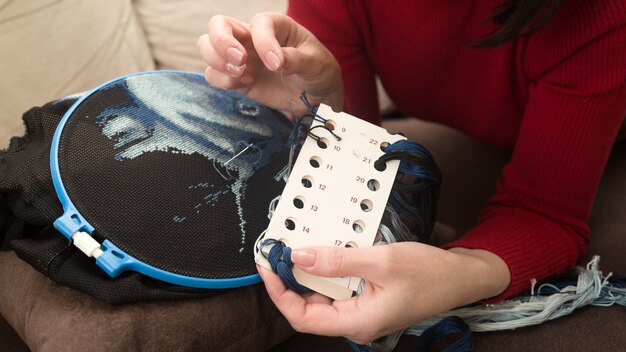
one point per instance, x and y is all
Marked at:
(488, 274)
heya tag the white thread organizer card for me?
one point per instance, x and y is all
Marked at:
(334, 195)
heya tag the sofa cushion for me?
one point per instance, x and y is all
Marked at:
(51, 317)
(54, 48)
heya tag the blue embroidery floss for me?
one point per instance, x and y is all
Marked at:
(279, 257)
(447, 326)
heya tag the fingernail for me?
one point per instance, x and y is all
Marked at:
(234, 70)
(303, 257)
(272, 60)
(245, 80)
(234, 56)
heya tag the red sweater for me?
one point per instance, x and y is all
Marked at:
(557, 97)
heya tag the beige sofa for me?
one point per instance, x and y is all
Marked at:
(52, 48)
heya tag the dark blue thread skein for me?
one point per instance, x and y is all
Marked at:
(421, 207)
(447, 326)
(279, 257)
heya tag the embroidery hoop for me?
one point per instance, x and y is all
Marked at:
(111, 257)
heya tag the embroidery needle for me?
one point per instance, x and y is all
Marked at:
(238, 154)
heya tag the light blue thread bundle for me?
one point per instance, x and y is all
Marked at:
(592, 288)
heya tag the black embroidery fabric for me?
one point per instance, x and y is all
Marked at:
(130, 203)
(143, 161)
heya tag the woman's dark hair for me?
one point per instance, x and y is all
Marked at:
(517, 18)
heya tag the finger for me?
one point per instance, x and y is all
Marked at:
(368, 263)
(264, 28)
(271, 281)
(226, 35)
(315, 313)
(225, 81)
(286, 301)
(215, 60)
(321, 315)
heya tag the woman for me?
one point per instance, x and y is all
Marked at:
(547, 78)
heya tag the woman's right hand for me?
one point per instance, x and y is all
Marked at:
(271, 60)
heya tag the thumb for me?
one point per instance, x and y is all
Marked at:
(336, 262)
(302, 61)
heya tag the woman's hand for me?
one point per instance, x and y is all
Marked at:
(271, 60)
(405, 282)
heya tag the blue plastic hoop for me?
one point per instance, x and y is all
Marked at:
(113, 260)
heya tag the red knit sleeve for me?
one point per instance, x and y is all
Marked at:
(335, 23)
(537, 222)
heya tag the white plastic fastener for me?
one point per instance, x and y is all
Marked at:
(86, 244)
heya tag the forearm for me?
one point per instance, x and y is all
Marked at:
(487, 275)
(531, 245)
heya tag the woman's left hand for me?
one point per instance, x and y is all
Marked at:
(405, 283)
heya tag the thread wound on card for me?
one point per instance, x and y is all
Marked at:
(336, 193)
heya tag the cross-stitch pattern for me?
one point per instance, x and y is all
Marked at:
(175, 172)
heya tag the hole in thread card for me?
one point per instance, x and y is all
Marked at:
(333, 213)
